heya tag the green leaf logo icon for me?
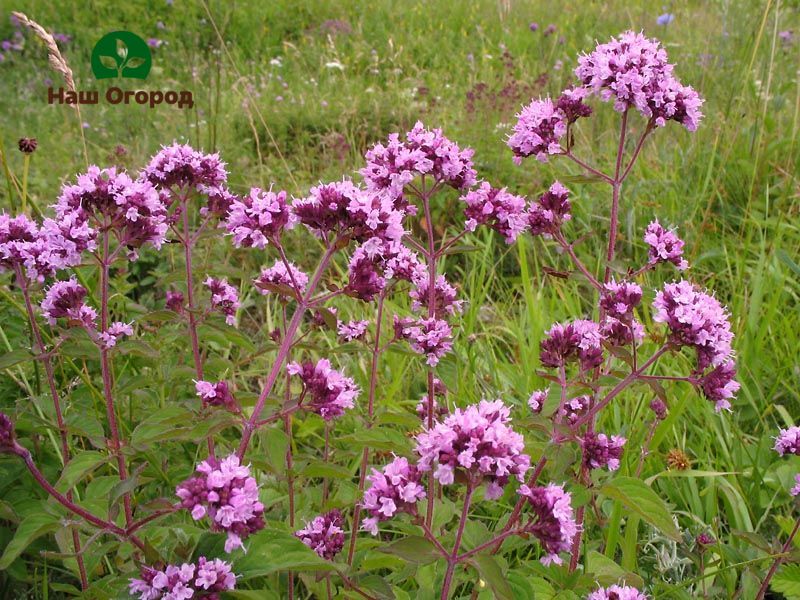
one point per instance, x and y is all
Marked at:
(121, 54)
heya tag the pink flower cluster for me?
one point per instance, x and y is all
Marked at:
(206, 579)
(224, 298)
(601, 451)
(502, 211)
(634, 71)
(550, 211)
(431, 337)
(279, 275)
(7, 436)
(391, 167)
(788, 441)
(537, 400)
(330, 393)
(216, 394)
(351, 330)
(579, 340)
(478, 441)
(226, 492)
(67, 300)
(620, 299)
(552, 520)
(394, 489)
(573, 409)
(117, 330)
(258, 218)
(324, 534)
(444, 296)
(617, 592)
(539, 127)
(719, 385)
(664, 246)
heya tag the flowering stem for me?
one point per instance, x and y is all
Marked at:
(283, 350)
(650, 126)
(514, 518)
(585, 166)
(616, 185)
(453, 559)
(62, 426)
(432, 539)
(373, 381)
(105, 367)
(431, 257)
(581, 267)
(778, 560)
(287, 424)
(495, 540)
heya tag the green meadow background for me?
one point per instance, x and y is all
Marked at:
(292, 92)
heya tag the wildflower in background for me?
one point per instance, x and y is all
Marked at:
(431, 337)
(634, 71)
(600, 450)
(537, 400)
(665, 19)
(258, 218)
(659, 408)
(392, 166)
(550, 211)
(330, 393)
(664, 246)
(226, 492)
(224, 298)
(502, 211)
(573, 409)
(206, 579)
(324, 534)
(617, 592)
(27, 145)
(394, 489)
(533, 27)
(175, 301)
(278, 274)
(375, 215)
(549, 30)
(788, 441)
(786, 36)
(579, 340)
(352, 330)
(539, 127)
(705, 539)
(720, 386)
(66, 300)
(109, 338)
(155, 43)
(618, 299)
(444, 296)
(216, 394)
(695, 319)
(554, 519)
(477, 440)
(678, 460)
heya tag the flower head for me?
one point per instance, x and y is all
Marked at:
(795, 491)
(664, 246)
(550, 211)
(7, 435)
(351, 330)
(329, 392)
(719, 385)
(394, 489)
(431, 337)
(617, 592)
(502, 211)
(174, 301)
(182, 166)
(554, 523)
(788, 441)
(444, 296)
(216, 394)
(224, 298)
(66, 300)
(258, 218)
(279, 275)
(579, 340)
(619, 299)
(114, 332)
(324, 534)
(477, 441)
(202, 580)
(537, 400)
(226, 492)
(537, 132)
(365, 278)
(600, 450)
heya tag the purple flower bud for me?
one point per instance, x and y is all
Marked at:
(324, 534)
(554, 519)
(329, 393)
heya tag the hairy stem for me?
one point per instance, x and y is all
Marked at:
(778, 560)
(452, 560)
(431, 258)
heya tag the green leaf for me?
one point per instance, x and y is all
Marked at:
(787, 582)
(323, 469)
(9, 359)
(164, 424)
(159, 316)
(607, 572)
(377, 438)
(32, 527)
(642, 500)
(122, 49)
(78, 467)
(134, 61)
(376, 586)
(269, 551)
(414, 549)
(109, 62)
(492, 574)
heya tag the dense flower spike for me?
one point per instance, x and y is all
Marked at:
(619, 299)
(601, 451)
(431, 337)
(111, 201)
(788, 441)
(537, 400)
(352, 330)
(720, 386)
(204, 580)
(619, 333)
(502, 211)
(695, 319)
(324, 534)
(401, 263)
(664, 246)
(617, 592)
(109, 338)
(633, 71)
(550, 211)
(365, 279)
(426, 152)
(579, 340)
(228, 494)
(553, 519)
(394, 489)
(329, 392)
(182, 166)
(258, 218)
(444, 296)
(478, 441)
(224, 298)
(216, 394)
(571, 104)
(66, 300)
(279, 275)
(537, 132)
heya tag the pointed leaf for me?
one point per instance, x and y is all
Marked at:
(32, 527)
(642, 500)
(109, 62)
